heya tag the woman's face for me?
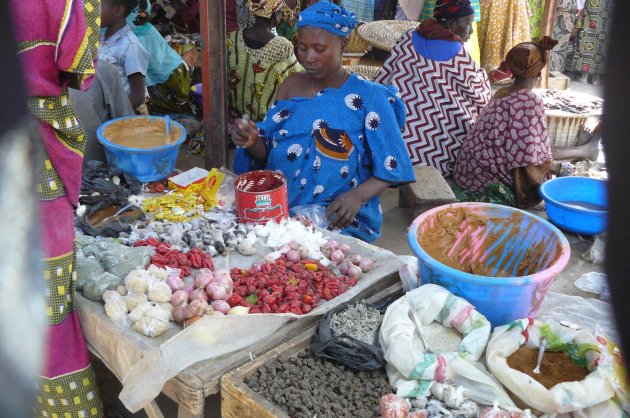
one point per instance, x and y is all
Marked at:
(462, 26)
(319, 51)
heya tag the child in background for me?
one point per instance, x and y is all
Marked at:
(168, 76)
(121, 48)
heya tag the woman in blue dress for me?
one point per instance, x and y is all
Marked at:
(334, 135)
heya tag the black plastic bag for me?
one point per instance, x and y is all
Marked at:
(110, 226)
(344, 349)
(99, 192)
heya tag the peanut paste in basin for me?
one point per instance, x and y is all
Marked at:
(141, 133)
(473, 243)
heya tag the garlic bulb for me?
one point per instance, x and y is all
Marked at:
(151, 327)
(134, 299)
(160, 292)
(136, 281)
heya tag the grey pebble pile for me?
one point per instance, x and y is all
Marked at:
(305, 385)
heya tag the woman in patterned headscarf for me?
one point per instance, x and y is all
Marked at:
(258, 62)
(506, 157)
(442, 86)
(335, 136)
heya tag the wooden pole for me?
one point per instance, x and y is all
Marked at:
(214, 82)
(548, 20)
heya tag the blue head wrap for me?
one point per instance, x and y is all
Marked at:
(328, 16)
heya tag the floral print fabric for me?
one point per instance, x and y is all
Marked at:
(511, 132)
(334, 141)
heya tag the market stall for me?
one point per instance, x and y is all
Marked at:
(176, 243)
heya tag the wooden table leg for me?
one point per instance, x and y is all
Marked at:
(153, 411)
(185, 413)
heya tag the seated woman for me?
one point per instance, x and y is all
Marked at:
(506, 157)
(442, 86)
(335, 136)
(258, 62)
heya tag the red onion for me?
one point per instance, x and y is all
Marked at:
(355, 259)
(198, 294)
(221, 306)
(255, 268)
(175, 283)
(203, 279)
(225, 281)
(343, 267)
(179, 298)
(189, 286)
(216, 291)
(293, 256)
(366, 265)
(331, 243)
(284, 249)
(197, 307)
(354, 272)
(221, 274)
(337, 256)
(293, 245)
(180, 313)
(345, 249)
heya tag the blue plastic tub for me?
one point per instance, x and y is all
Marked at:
(146, 164)
(195, 90)
(519, 254)
(577, 204)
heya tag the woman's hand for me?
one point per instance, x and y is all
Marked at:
(345, 207)
(245, 133)
(342, 211)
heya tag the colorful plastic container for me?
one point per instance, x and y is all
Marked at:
(146, 164)
(261, 196)
(514, 233)
(589, 218)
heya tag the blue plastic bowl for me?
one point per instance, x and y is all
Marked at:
(146, 164)
(197, 94)
(576, 218)
(509, 240)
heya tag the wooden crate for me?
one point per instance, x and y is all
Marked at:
(238, 400)
(557, 80)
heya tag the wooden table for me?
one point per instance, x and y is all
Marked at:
(189, 389)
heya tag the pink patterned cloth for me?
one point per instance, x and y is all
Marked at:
(511, 132)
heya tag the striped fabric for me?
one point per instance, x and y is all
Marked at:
(443, 99)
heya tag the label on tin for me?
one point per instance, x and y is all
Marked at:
(263, 200)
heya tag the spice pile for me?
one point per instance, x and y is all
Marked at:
(358, 321)
(305, 386)
(557, 366)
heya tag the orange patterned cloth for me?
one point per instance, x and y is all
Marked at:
(504, 24)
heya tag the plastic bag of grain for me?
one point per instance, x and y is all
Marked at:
(590, 397)
(412, 369)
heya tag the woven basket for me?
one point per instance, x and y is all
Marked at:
(368, 72)
(355, 43)
(383, 34)
(563, 127)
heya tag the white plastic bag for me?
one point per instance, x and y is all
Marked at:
(590, 398)
(412, 371)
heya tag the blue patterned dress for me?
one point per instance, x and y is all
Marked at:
(331, 143)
